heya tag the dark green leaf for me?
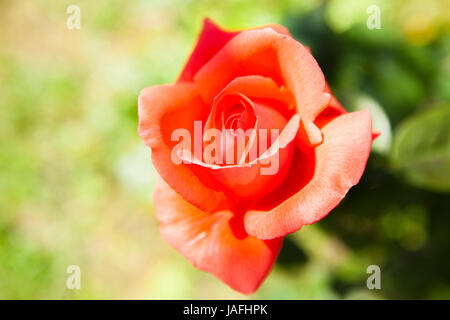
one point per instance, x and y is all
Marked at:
(421, 149)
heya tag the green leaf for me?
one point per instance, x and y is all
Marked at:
(380, 121)
(421, 149)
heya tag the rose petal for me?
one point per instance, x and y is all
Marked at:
(269, 54)
(163, 109)
(216, 243)
(375, 134)
(340, 162)
(334, 103)
(259, 87)
(255, 179)
(211, 40)
(224, 106)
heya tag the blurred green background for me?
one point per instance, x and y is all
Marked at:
(76, 180)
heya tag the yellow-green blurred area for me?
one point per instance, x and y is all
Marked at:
(76, 180)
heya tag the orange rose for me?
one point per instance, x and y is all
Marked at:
(302, 154)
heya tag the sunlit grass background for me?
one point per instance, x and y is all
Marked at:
(76, 181)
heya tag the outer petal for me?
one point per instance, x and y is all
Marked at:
(162, 109)
(210, 41)
(340, 162)
(216, 243)
(333, 101)
(270, 54)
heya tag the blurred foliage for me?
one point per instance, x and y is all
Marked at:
(422, 149)
(75, 179)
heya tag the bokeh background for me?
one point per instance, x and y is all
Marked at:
(76, 180)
